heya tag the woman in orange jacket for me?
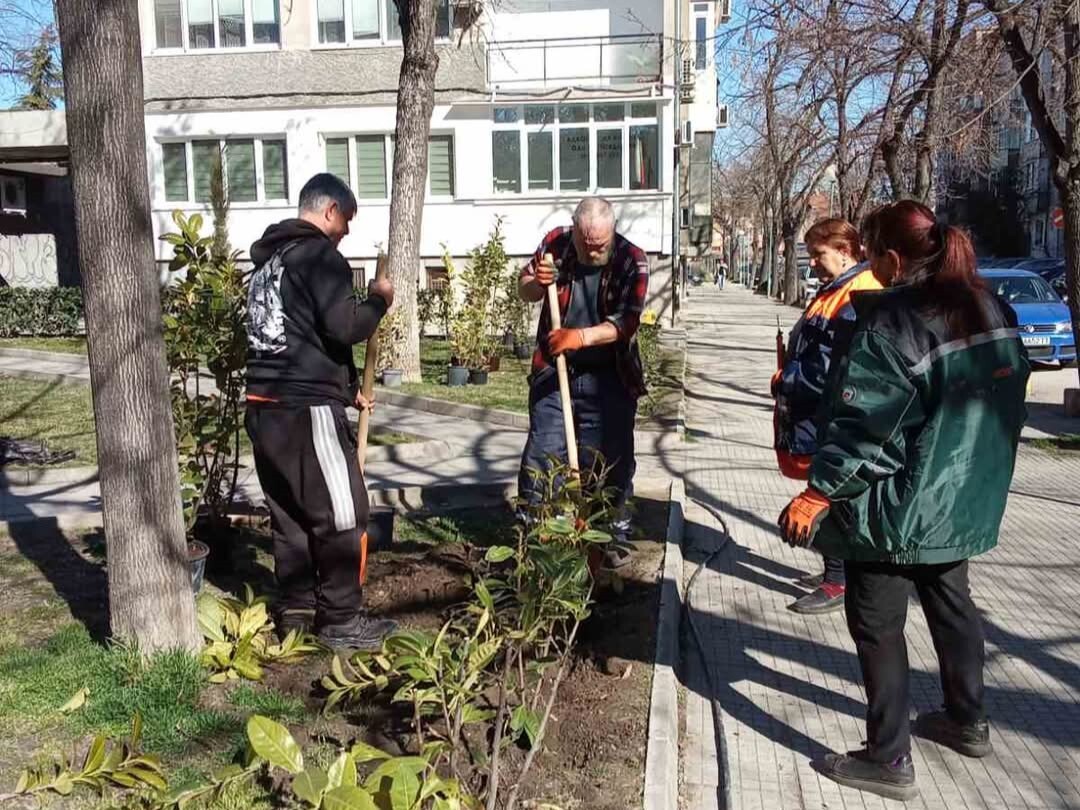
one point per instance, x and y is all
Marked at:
(835, 254)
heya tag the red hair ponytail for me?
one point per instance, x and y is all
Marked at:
(938, 257)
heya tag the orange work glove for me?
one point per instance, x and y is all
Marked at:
(561, 341)
(802, 518)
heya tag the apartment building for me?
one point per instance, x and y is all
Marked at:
(538, 102)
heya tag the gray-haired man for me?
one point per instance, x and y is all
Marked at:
(303, 319)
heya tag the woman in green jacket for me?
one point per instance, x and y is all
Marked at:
(916, 453)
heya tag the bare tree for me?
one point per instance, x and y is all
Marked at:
(415, 104)
(1026, 31)
(150, 600)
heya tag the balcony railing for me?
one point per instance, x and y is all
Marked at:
(604, 61)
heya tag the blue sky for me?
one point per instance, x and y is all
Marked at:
(20, 22)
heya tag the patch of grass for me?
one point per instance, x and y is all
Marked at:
(665, 390)
(476, 526)
(1067, 442)
(61, 415)
(252, 699)
(63, 345)
(35, 682)
(507, 388)
(389, 439)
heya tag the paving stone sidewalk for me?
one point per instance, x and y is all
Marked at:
(484, 453)
(789, 686)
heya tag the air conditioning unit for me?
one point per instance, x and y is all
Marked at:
(12, 194)
(687, 73)
(725, 11)
(722, 116)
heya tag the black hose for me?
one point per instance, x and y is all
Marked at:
(723, 762)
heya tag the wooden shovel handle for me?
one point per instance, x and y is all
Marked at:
(367, 387)
(564, 377)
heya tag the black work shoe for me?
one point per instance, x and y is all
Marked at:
(811, 581)
(298, 619)
(826, 599)
(359, 633)
(855, 769)
(971, 740)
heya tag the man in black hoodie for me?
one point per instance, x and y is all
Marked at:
(303, 319)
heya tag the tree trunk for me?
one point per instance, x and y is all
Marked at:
(791, 263)
(774, 254)
(416, 101)
(1070, 202)
(150, 599)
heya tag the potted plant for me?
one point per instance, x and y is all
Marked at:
(392, 338)
(516, 314)
(476, 325)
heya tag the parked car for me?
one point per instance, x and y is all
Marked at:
(809, 284)
(1057, 283)
(988, 262)
(1043, 320)
(1046, 268)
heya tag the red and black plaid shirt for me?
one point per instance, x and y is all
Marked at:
(624, 285)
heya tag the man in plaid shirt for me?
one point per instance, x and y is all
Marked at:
(602, 280)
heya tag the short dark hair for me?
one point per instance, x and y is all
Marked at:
(325, 188)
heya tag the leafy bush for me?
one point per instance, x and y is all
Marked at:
(476, 324)
(40, 312)
(204, 329)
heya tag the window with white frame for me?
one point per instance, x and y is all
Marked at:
(366, 163)
(702, 40)
(193, 25)
(348, 22)
(604, 146)
(253, 169)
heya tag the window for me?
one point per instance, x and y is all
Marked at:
(168, 24)
(365, 162)
(174, 158)
(576, 147)
(346, 22)
(204, 24)
(701, 36)
(253, 169)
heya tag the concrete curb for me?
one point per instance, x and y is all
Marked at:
(662, 756)
(432, 450)
(48, 357)
(473, 413)
(45, 376)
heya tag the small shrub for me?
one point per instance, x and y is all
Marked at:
(40, 312)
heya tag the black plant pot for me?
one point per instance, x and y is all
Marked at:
(522, 351)
(478, 376)
(457, 376)
(380, 528)
(197, 554)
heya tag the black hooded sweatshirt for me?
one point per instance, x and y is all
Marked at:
(303, 318)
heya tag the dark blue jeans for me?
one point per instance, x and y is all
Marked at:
(604, 416)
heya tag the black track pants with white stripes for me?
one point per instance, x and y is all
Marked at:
(305, 457)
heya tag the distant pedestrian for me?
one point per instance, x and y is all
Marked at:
(721, 276)
(835, 253)
(918, 446)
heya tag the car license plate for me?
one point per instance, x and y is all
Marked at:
(1035, 341)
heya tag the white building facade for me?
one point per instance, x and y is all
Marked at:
(538, 103)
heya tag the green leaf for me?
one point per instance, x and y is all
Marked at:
(523, 720)
(63, 784)
(404, 788)
(77, 701)
(596, 536)
(95, 755)
(362, 752)
(348, 797)
(470, 714)
(498, 554)
(136, 729)
(561, 525)
(342, 771)
(211, 617)
(310, 785)
(273, 742)
(195, 223)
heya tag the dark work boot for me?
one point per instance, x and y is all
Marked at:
(971, 740)
(298, 619)
(359, 633)
(855, 769)
(828, 598)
